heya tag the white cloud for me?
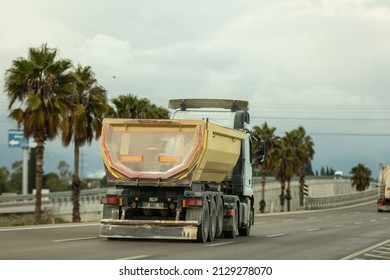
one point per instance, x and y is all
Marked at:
(291, 59)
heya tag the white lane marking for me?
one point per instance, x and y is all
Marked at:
(219, 244)
(384, 248)
(76, 239)
(374, 220)
(312, 229)
(380, 251)
(292, 220)
(377, 256)
(311, 218)
(49, 227)
(337, 226)
(275, 235)
(357, 223)
(135, 257)
(365, 250)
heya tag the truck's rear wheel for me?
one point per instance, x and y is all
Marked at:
(204, 227)
(213, 221)
(219, 225)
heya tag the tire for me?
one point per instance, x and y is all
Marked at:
(204, 227)
(219, 225)
(213, 221)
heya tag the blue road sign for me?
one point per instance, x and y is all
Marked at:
(16, 139)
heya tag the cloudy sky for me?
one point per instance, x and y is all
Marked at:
(324, 65)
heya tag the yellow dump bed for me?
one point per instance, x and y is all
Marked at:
(168, 152)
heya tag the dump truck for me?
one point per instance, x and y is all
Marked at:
(188, 177)
(384, 188)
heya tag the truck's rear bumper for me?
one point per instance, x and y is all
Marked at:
(385, 208)
(140, 229)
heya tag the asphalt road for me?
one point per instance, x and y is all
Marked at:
(351, 233)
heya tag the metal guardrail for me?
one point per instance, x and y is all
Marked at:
(61, 196)
(324, 202)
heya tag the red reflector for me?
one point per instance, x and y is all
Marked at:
(229, 213)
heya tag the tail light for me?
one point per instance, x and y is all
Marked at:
(113, 200)
(192, 202)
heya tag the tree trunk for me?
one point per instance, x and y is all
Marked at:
(288, 196)
(76, 186)
(281, 196)
(262, 201)
(39, 179)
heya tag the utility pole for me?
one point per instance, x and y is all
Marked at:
(25, 171)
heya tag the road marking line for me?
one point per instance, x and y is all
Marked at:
(357, 223)
(365, 250)
(381, 252)
(49, 227)
(312, 229)
(275, 235)
(311, 218)
(292, 220)
(336, 226)
(384, 248)
(76, 239)
(377, 256)
(135, 257)
(219, 244)
(374, 220)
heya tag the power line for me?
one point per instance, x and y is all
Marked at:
(349, 134)
(323, 119)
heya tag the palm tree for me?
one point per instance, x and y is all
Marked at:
(84, 123)
(305, 154)
(285, 158)
(267, 134)
(4, 175)
(291, 158)
(360, 177)
(41, 84)
(131, 107)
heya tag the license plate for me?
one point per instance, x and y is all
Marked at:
(152, 205)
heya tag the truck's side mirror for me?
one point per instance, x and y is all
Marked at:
(261, 151)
